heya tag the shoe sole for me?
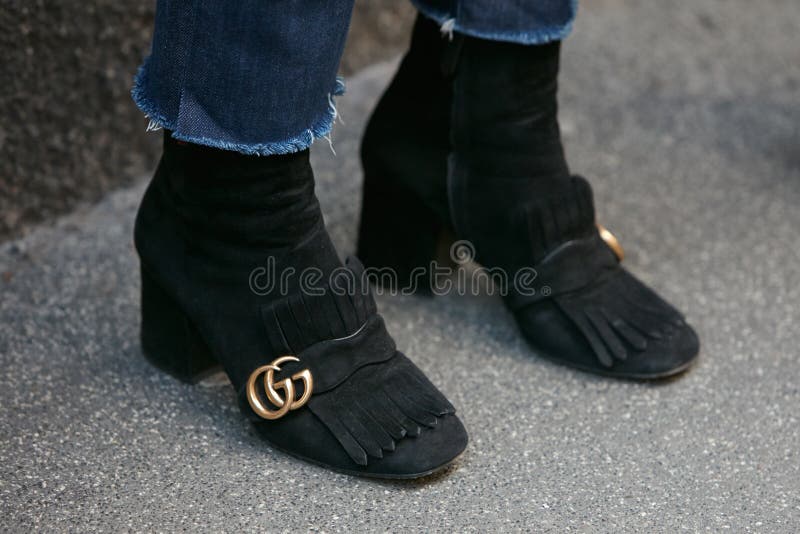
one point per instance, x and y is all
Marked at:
(639, 377)
(362, 474)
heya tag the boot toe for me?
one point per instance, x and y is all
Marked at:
(432, 450)
(664, 358)
(386, 420)
(304, 436)
(618, 327)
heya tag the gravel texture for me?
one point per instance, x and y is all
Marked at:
(685, 116)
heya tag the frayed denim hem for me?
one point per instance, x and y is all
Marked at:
(449, 24)
(321, 129)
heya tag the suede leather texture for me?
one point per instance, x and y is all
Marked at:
(404, 155)
(210, 218)
(495, 174)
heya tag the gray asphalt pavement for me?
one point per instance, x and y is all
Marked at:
(686, 118)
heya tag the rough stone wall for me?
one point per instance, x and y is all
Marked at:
(68, 129)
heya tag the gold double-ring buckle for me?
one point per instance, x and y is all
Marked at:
(284, 402)
(611, 240)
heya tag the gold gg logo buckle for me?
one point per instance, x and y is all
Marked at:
(612, 241)
(283, 403)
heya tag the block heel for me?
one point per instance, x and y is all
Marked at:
(398, 231)
(169, 340)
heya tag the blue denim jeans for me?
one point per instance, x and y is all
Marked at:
(259, 76)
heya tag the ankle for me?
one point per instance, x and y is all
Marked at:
(265, 199)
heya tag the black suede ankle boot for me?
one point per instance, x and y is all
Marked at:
(502, 171)
(404, 154)
(238, 271)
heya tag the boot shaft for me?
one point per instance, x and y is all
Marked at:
(265, 201)
(505, 108)
(217, 215)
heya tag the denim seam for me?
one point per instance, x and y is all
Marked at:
(321, 128)
(188, 59)
(534, 37)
